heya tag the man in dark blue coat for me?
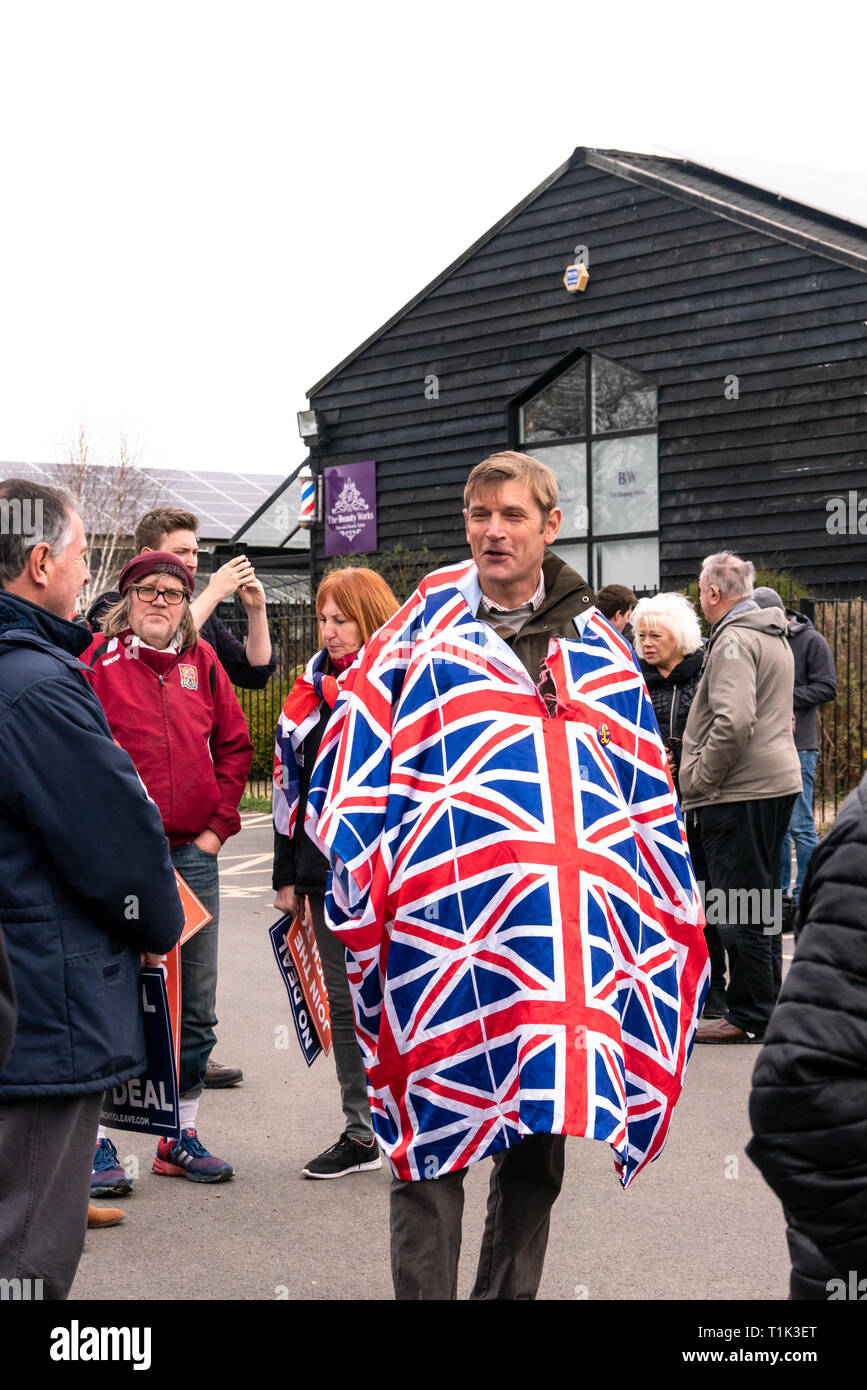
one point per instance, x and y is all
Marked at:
(86, 886)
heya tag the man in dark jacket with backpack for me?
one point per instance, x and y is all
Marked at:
(86, 885)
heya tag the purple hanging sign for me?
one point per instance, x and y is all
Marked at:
(350, 508)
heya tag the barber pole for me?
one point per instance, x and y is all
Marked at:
(307, 514)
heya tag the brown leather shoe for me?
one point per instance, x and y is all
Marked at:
(97, 1217)
(719, 1030)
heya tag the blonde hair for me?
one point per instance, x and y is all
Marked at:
(511, 467)
(674, 614)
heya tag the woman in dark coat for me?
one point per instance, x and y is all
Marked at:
(668, 643)
(808, 1105)
(350, 605)
(669, 647)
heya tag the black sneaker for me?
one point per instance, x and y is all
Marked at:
(346, 1156)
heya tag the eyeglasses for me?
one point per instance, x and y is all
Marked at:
(149, 592)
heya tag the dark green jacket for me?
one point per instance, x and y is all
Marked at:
(566, 595)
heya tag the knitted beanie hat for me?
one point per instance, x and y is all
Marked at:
(154, 562)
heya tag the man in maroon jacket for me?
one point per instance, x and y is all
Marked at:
(170, 704)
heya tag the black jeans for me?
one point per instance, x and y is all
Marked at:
(426, 1218)
(344, 1043)
(741, 844)
(715, 948)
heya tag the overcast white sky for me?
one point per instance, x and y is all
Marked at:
(205, 206)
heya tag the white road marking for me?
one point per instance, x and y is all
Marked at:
(247, 863)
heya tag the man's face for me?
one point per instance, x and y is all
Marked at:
(156, 622)
(507, 536)
(180, 543)
(621, 618)
(67, 573)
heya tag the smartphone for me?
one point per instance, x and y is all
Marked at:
(239, 548)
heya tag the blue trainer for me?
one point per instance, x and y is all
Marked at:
(188, 1158)
(108, 1179)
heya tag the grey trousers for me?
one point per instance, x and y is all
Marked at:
(426, 1221)
(46, 1159)
(344, 1044)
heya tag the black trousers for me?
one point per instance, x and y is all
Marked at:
(715, 948)
(741, 843)
(344, 1043)
(426, 1221)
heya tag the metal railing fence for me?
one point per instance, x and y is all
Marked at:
(294, 637)
(842, 749)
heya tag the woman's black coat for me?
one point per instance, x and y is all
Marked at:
(298, 863)
(671, 697)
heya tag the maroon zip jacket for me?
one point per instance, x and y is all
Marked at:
(179, 719)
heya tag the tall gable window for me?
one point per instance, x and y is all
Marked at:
(594, 423)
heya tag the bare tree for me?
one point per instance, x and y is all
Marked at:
(113, 496)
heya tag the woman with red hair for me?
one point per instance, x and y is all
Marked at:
(350, 605)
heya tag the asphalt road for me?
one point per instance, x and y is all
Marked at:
(698, 1224)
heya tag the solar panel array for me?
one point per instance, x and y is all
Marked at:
(221, 501)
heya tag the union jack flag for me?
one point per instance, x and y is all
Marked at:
(300, 714)
(513, 886)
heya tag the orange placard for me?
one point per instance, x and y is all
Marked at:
(196, 915)
(301, 940)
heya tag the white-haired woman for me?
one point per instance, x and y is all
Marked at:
(668, 643)
(669, 647)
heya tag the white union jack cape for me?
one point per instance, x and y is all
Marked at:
(524, 929)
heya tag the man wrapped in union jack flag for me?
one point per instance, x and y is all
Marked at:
(511, 879)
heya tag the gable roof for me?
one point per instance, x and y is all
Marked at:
(772, 213)
(782, 218)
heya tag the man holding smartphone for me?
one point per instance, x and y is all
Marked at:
(249, 664)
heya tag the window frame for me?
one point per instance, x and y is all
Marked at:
(591, 436)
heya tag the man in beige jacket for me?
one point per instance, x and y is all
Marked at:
(739, 777)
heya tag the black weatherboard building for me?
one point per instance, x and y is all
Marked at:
(705, 390)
